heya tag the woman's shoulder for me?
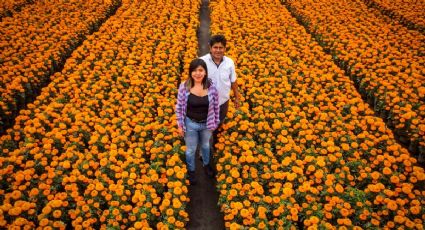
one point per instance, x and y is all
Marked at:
(182, 85)
(212, 86)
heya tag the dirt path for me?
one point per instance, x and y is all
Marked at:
(203, 211)
(204, 28)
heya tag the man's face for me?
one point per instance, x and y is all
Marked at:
(217, 51)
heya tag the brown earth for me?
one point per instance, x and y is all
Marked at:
(204, 213)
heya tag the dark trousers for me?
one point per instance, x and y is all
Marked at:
(223, 112)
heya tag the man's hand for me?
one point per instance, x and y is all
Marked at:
(181, 132)
(236, 102)
(235, 94)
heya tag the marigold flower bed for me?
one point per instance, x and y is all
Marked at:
(36, 42)
(304, 150)
(8, 7)
(409, 13)
(99, 148)
(382, 57)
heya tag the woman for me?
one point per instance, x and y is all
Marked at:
(198, 113)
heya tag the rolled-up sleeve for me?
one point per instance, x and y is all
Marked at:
(233, 73)
(180, 107)
(214, 109)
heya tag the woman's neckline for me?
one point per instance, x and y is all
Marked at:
(198, 95)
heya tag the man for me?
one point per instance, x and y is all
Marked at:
(221, 70)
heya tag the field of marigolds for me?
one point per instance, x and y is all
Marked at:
(330, 133)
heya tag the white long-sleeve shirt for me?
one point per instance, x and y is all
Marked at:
(222, 76)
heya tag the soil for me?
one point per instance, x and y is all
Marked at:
(204, 28)
(204, 213)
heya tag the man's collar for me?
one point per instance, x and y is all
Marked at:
(211, 58)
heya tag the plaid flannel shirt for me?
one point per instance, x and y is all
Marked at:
(213, 109)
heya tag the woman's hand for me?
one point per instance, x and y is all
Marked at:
(181, 132)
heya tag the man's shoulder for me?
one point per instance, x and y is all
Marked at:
(205, 57)
(229, 60)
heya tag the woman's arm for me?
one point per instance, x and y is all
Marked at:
(180, 109)
(216, 108)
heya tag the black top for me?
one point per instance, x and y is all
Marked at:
(197, 107)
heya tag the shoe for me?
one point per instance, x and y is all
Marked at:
(209, 170)
(192, 178)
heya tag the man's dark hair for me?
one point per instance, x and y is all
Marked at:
(218, 39)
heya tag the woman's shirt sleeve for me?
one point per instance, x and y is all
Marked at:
(180, 107)
(216, 109)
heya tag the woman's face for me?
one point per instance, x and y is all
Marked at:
(198, 74)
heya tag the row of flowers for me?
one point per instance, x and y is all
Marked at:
(36, 42)
(99, 148)
(304, 150)
(8, 7)
(409, 13)
(384, 59)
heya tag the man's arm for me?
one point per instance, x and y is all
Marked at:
(235, 94)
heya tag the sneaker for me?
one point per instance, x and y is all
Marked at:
(209, 170)
(192, 178)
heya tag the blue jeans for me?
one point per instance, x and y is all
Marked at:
(197, 133)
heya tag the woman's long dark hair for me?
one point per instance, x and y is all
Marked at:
(195, 63)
